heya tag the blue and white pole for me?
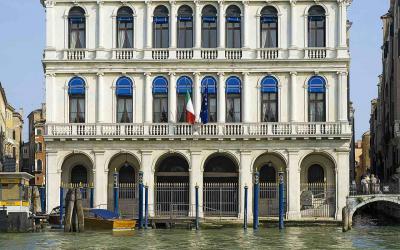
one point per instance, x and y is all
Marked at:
(116, 193)
(146, 207)
(256, 197)
(197, 207)
(61, 205)
(140, 217)
(281, 201)
(245, 206)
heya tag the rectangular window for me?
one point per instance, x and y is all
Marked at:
(77, 39)
(269, 35)
(269, 107)
(161, 35)
(233, 108)
(212, 108)
(316, 32)
(125, 34)
(209, 35)
(233, 35)
(124, 110)
(316, 107)
(181, 108)
(160, 108)
(77, 109)
(185, 34)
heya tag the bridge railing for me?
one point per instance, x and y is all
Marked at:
(375, 188)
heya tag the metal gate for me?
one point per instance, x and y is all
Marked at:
(127, 199)
(269, 199)
(318, 200)
(172, 200)
(221, 199)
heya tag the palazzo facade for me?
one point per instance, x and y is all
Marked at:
(276, 74)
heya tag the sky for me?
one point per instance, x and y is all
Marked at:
(22, 40)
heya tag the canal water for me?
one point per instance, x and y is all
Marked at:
(361, 237)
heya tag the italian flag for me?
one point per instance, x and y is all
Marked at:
(190, 116)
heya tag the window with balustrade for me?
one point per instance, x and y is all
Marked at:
(125, 28)
(233, 99)
(183, 86)
(161, 27)
(185, 27)
(316, 27)
(209, 29)
(316, 99)
(269, 99)
(77, 28)
(160, 99)
(269, 27)
(209, 86)
(76, 92)
(233, 27)
(124, 89)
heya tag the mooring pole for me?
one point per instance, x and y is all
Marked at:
(61, 205)
(92, 196)
(42, 191)
(146, 206)
(255, 198)
(281, 201)
(140, 217)
(116, 193)
(245, 206)
(197, 207)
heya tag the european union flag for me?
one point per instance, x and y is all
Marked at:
(204, 107)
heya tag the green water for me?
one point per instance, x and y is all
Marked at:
(361, 237)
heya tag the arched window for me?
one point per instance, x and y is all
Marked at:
(126, 174)
(160, 99)
(269, 27)
(79, 175)
(233, 99)
(316, 27)
(315, 174)
(124, 100)
(76, 92)
(125, 28)
(269, 99)
(185, 27)
(209, 35)
(161, 27)
(39, 167)
(233, 27)
(183, 86)
(268, 174)
(316, 99)
(209, 85)
(77, 28)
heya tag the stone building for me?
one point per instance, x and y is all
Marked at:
(363, 160)
(385, 113)
(275, 77)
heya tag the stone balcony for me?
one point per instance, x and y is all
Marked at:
(161, 54)
(230, 131)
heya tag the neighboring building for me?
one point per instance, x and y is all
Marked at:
(25, 158)
(3, 104)
(363, 160)
(385, 115)
(37, 152)
(276, 73)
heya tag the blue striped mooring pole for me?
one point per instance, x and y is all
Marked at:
(281, 201)
(245, 207)
(140, 216)
(197, 207)
(61, 205)
(116, 187)
(256, 197)
(146, 206)
(92, 196)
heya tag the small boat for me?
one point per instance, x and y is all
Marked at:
(102, 219)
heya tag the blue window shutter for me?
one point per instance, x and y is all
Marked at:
(185, 18)
(210, 83)
(316, 85)
(183, 85)
(269, 85)
(160, 20)
(233, 85)
(269, 19)
(125, 19)
(160, 85)
(316, 18)
(76, 19)
(124, 86)
(76, 86)
(232, 19)
(209, 19)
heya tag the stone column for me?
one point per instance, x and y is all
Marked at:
(100, 24)
(100, 180)
(293, 100)
(196, 179)
(148, 177)
(53, 181)
(245, 179)
(221, 98)
(245, 98)
(148, 99)
(197, 94)
(148, 30)
(173, 21)
(293, 186)
(99, 97)
(342, 18)
(244, 23)
(172, 98)
(342, 96)
(197, 23)
(293, 27)
(50, 31)
(221, 30)
(342, 180)
(51, 99)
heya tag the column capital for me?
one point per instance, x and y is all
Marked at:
(245, 73)
(195, 152)
(293, 73)
(148, 2)
(98, 152)
(147, 73)
(245, 2)
(221, 2)
(171, 73)
(146, 152)
(100, 73)
(342, 150)
(344, 73)
(49, 4)
(197, 3)
(101, 2)
(293, 2)
(50, 74)
(196, 73)
(245, 152)
(292, 152)
(172, 2)
(220, 73)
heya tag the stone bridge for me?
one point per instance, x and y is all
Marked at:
(357, 201)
